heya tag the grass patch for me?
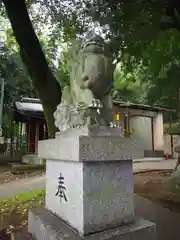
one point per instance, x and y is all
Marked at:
(13, 210)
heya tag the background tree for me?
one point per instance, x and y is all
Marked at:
(34, 58)
(129, 26)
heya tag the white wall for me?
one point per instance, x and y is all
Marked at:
(140, 121)
(158, 132)
(167, 143)
(36, 139)
(142, 129)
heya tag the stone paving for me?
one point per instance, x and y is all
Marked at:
(21, 186)
(167, 222)
(154, 164)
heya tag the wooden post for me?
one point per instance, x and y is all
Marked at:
(11, 137)
(20, 137)
(46, 131)
(171, 137)
(152, 130)
(127, 123)
(36, 136)
(32, 136)
(41, 130)
(28, 136)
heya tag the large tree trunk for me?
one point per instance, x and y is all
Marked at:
(46, 84)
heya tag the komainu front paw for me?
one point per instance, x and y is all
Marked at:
(81, 106)
(96, 103)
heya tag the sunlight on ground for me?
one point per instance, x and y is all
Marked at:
(15, 209)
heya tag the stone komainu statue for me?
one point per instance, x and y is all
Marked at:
(88, 98)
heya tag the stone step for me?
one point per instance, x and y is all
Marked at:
(44, 225)
(32, 159)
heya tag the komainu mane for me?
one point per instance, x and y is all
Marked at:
(87, 101)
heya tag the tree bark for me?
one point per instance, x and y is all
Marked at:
(47, 86)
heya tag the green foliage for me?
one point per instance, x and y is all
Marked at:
(17, 81)
(13, 71)
(6, 124)
(129, 86)
(17, 207)
(155, 80)
(162, 60)
(130, 25)
(162, 53)
(149, 57)
(174, 128)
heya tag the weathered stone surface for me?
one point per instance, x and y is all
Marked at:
(89, 181)
(87, 100)
(45, 226)
(97, 170)
(99, 195)
(22, 235)
(85, 146)
(94, 131)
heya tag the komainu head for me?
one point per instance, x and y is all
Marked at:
(93, 44)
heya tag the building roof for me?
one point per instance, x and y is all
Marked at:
(28, 105)
(27, 108)
(142, 106)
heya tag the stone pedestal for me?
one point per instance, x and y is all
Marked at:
(89, 180)
(46, 226)
(98, 195)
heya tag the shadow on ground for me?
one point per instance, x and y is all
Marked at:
(167, 221)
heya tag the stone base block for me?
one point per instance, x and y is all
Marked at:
(96, 195)
(32, 159)
(44, 225)
(22, 235)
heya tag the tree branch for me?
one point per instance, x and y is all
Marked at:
(43, 80)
